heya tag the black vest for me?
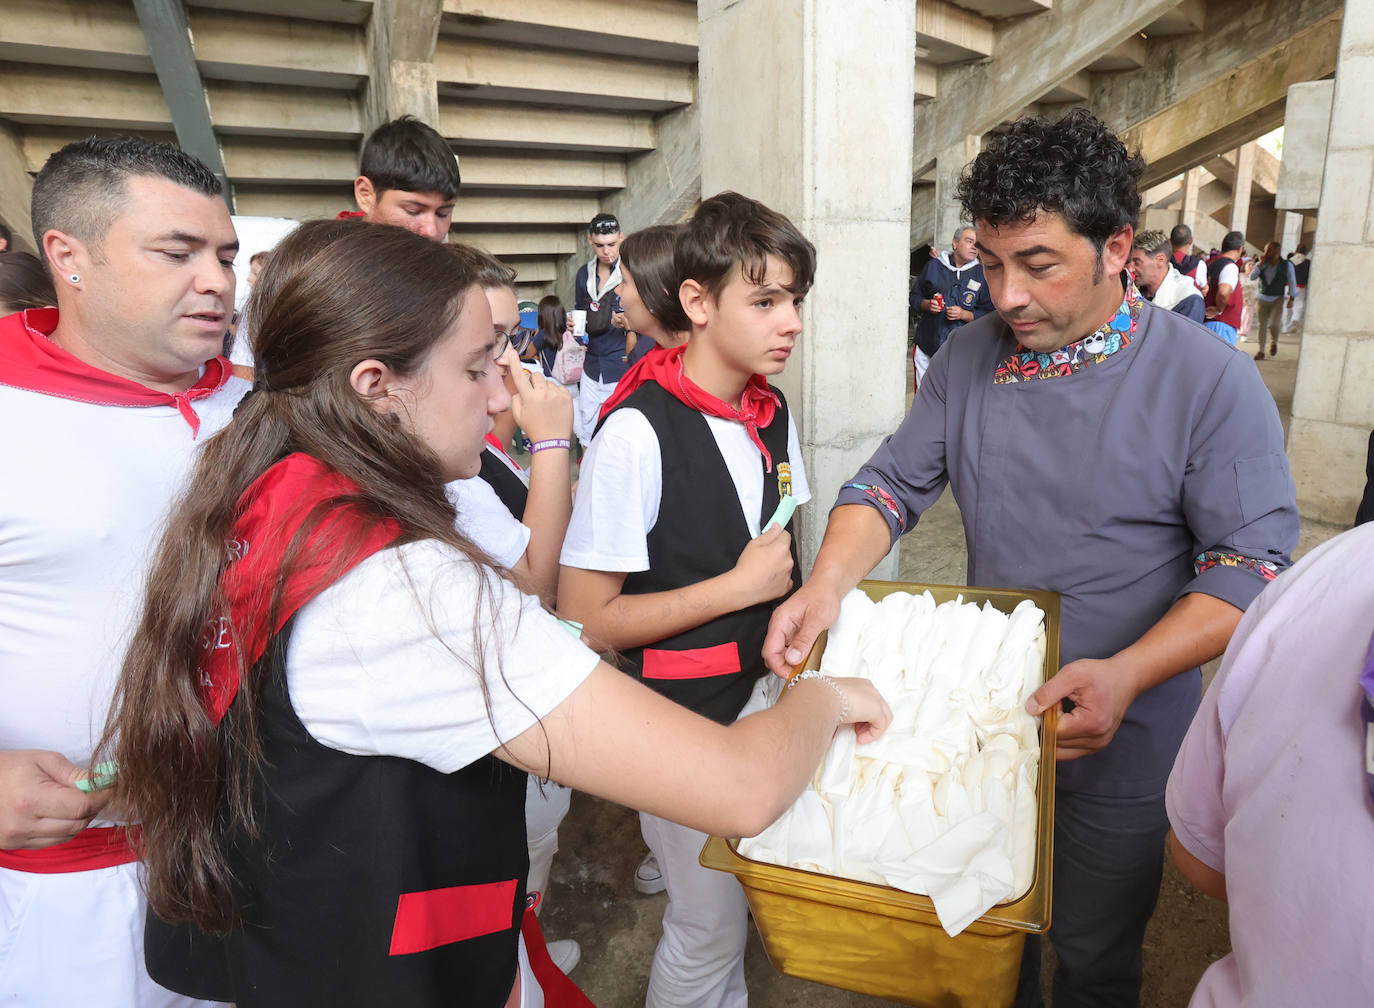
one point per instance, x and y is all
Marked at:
(1188, 267)
(1275, 285)
(1301, 271)
(375, 880)
(699, 534)
(509, 487)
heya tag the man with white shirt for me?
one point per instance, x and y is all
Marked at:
(105, 401)
(1224, 303)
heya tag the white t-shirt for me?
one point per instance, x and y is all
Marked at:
(388, 660)
(486, 521)
(82, 501)
(621, 484)
(1229, 275)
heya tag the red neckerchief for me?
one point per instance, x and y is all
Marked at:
(30, 360)
(349, 215)
(271, 511)
(664, 366)
(496, 446)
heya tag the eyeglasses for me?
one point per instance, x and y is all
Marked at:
(604, 227)
(519, 337)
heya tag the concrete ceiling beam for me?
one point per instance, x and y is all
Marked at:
(1189, 131)
(105, 35)
(278, 161)
(278, 50)
(483, 124)
(489, 70)
(92, 34)
(1073, 90)
(354, 12)
(998, 9)
(508, 244)
(951, 34)
(478, 211)
(97, 100)
(647, 29)
(534, 271)
(1186, 18)
(1129, 55)
(1032, 54)
(1192, 64)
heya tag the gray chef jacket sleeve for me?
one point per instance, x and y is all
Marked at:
(1238, 496)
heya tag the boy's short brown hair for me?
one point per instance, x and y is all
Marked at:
(728, 231)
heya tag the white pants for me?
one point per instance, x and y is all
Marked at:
(1292, 317)
(543, 814)
(699, 962)
(921, 361)
(76, 939)
(588, 407)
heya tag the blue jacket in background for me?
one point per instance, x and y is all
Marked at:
(964, 286)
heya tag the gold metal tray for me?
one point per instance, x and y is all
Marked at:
(878, 940)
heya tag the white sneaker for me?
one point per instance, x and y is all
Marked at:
(566, 954)
(648, 878)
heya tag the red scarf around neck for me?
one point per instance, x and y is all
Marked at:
(30, 360)
(271, 511)
(663, 365)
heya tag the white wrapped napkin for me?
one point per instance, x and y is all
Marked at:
(944, 803)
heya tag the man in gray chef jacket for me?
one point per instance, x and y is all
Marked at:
(1097, 448)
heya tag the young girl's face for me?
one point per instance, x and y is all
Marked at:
(450, 402)
(636, 315)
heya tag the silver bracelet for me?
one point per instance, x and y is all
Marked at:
(818, 674)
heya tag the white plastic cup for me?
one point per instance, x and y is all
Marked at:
(579, 318)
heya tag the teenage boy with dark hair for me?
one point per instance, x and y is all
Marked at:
(594, 292)
(408, 178)
(667, 558)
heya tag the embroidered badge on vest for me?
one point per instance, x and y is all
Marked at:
(784, 479)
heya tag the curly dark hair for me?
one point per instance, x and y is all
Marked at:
(1074, 166)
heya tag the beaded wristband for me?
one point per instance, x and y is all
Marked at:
(560, 442)
(818, 674)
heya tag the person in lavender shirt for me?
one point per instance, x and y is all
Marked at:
(1270, 797)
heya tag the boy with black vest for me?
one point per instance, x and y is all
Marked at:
(667, 557)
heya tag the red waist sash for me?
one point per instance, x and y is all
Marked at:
(92, 848)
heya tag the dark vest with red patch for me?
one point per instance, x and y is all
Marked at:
(374, 880)
(509, 487)
(700, 533)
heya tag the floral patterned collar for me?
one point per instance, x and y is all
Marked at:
(1026, 365)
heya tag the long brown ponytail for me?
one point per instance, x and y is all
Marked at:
(333, 294)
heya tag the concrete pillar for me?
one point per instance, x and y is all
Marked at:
(779, 122)
(1290, 231)
(1240, 191)
(1333, 410)
(1306, 121)
(401, 36)
(949, 165)
(16, 190)
(1192, 182)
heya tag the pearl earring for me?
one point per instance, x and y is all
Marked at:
(75, 278)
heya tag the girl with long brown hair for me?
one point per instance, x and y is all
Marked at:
(331, 700)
